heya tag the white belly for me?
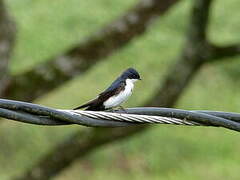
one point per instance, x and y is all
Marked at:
(121, 97)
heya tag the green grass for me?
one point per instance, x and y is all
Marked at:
(46, 28)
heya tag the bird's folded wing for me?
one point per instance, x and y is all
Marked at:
(89, 103)
(114, 89)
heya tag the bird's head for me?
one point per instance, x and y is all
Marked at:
(131, 74)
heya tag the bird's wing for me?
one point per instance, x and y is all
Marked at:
(89, 103)
(117, 86)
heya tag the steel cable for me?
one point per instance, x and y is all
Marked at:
(41, 115)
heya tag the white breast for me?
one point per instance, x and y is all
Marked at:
(121, 97)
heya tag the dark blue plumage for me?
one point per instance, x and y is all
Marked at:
(129, 73)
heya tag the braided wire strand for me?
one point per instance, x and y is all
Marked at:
(41, 115)
(133, 118)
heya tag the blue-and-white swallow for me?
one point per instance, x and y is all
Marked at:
(117, 93)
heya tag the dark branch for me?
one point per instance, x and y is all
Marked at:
(82, 143)
(221, 52)
(199, 21)
(77, 60)
(194, 55)
(7, 37)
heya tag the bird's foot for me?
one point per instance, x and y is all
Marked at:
(123, 109)
(111, 110)
(116, 110)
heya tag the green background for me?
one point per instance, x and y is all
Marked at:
(47, 28)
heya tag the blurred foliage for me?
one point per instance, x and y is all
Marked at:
(47, 28)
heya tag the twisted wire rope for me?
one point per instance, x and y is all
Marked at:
(41, 115)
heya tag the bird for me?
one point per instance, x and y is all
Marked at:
(117, 93)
